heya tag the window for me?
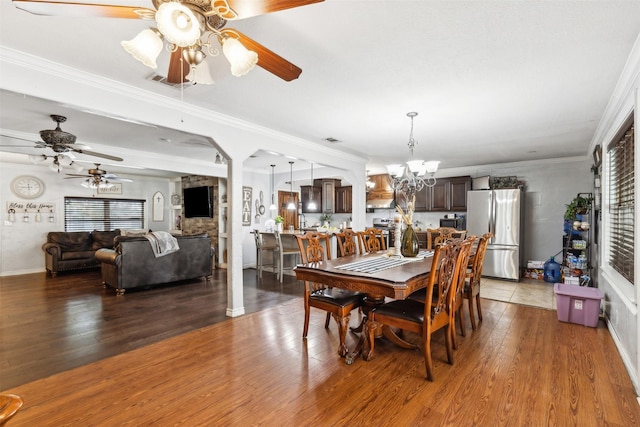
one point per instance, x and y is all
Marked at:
(622, 203)
(88, 214)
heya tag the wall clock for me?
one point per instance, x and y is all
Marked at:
(27, 186)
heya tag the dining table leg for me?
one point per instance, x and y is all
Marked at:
(370, 302)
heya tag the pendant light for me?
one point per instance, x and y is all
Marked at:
(312, 203)
(273, 206)
(291, 205)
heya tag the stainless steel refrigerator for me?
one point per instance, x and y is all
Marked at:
(498, 212)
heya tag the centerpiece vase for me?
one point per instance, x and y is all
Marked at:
(410, 246)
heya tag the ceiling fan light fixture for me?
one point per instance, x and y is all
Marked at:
(242, 60)
(37, 158)
(178, 24)
(193, 55)
(200, 74)
(145, 47)
(55, 166)
(64, 160)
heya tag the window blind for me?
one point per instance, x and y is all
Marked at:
(88, 214)
(622, 203)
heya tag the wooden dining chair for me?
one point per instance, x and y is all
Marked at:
(261, 248)
(335, 301)
(348, 242)
(471, 289)
(443, 234)
(458, 299)
(10, 404)
(372, 240)
(423, 318)
(281, 252)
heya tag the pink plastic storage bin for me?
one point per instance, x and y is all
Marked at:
(578, 304)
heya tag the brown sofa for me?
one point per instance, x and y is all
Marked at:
(75, 250)
(132, 262)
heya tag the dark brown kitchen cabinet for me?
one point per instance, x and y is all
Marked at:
(308, 193)
(459, 188)
(440, 195)
(343, 199)
(422, 200)
(328, 187)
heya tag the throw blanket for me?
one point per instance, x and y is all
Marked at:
(162, 243)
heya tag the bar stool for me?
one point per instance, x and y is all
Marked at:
(282, 252)
(260, 248)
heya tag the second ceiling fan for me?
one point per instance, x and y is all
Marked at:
(98, 178)
(189, 27)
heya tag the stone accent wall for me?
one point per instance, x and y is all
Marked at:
(192, 226)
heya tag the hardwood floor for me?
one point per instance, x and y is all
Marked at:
(168, 356)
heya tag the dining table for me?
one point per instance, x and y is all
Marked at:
(376, 274)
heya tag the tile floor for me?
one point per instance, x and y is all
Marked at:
(536, 293)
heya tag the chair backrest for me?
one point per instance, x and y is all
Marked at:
(10, 404)
(258, 238)
(461, 270)
(441, 235)
(348, 242)
(478, 259)
(311, 248)
(372, 240)
(276, 235)
(438, 298)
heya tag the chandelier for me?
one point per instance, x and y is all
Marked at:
(416, 174)
(191, 29)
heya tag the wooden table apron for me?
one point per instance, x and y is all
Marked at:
(397, 282)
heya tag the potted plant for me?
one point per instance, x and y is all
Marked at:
(579, 206)
(279, 223)
(326, 219)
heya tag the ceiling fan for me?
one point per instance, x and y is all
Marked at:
(61, 142)
(188, 26)
(98, 178)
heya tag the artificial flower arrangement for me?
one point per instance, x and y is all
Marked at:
(278, 219)
(407, 217)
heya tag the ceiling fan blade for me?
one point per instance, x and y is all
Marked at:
(175, 74)
(267, 59)
(248, 8)
(44, 7)
(93, 153)
(119, 179)
(74, 175)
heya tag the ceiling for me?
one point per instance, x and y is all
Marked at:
(492, 81)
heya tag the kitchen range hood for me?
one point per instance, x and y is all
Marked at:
(381, 195)
(381, 203)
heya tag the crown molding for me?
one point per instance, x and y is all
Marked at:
(176, 107)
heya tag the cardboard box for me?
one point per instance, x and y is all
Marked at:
(578, 304)
(534, 273)
(572, 280)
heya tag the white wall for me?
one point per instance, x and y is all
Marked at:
(550, 186)
(20, 242)
(621, 297)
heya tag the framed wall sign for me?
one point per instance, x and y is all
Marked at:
(113, 188)
(246, 205)
(158, 207)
